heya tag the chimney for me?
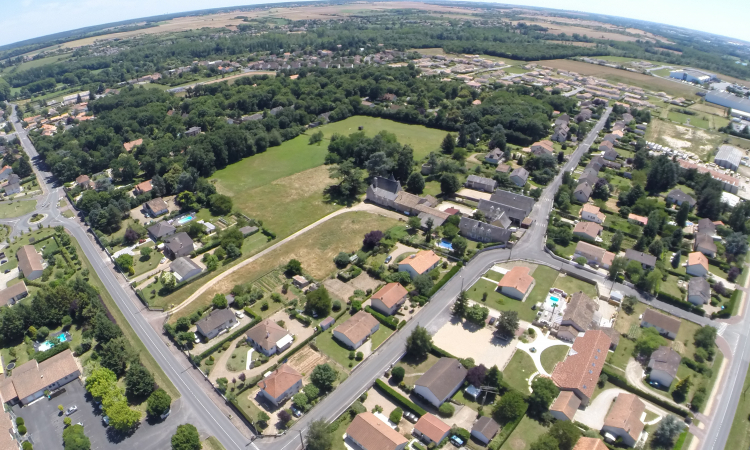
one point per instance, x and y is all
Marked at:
(375, 181)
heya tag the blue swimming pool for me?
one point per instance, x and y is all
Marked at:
(445, 244)
(554, 299)
(184, 220)
(46, 345)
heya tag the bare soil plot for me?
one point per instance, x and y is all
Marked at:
(556, 28)
(710, 109)
(466, 340)
(305, 360)
(339, 289)
(364, 282)
(696, 140)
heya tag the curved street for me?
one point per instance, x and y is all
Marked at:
(197, 402)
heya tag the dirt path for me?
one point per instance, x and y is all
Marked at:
(365, 207)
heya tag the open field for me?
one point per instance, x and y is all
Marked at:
(577, 44)
(593, 23)
(16, 209)
(35, 63)
(636, 79)
(314, 249)
(698, 141)
(556, 28)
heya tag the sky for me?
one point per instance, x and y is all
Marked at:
(26, 19)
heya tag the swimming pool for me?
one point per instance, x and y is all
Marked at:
(554, 299)
(46, 345)
(445, 244)
(184, 220)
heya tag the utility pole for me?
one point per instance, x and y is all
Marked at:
(301, 441)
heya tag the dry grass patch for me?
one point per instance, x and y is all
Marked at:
(679, 137)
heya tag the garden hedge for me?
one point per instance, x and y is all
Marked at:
(445, 279)
(405, 402)
(390, 322)
(729, 310)
(616, 379)
(674, 301)
(47, 354)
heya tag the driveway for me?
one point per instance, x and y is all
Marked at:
(540, 344)
(400, 249)
(6, 277)
(594, 414)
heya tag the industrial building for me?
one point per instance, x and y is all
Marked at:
(728, 100)
(728, 157)
(692, 76)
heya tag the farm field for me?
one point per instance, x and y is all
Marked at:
(35, 63)
(314, 249)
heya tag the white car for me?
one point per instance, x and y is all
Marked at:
(71, 410)
(239, 315)
(197, 339)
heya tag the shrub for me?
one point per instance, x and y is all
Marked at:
(360, 356)
(446, 410)
(396, 415)
(22, 429)
(398, 374)
(336, 306)
(19, 421)
(352, 354)
(405, 402)
(27, 446)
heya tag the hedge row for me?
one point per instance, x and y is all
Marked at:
(682, 304)
(506, 431)
(730, 307)
(616, 379)
(390, 322)
(229, 338)
(405, 402)
(697, 367)
(204, 249)
(445, 279)
(47, 354)
(251, 313)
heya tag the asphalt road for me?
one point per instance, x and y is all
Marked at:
(210, 420)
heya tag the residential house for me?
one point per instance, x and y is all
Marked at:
(611, 155)
(647, 261)
(699, 292)
(481, 183)
(29, 380)
(677, 197)
(585, 114)
(697, 264)
(132, 144)
(193, 131)
(562, 119)
(185, 268)
(157, 207)
(7, 436)
(383, 191)
(371, 433)
(587, 230)
(593, 254)
(142, 188)
(610, 138)
(160, 230)
(355, 331)
(81, 180)
(216, 322)
(542, 148)
(624, 419)
(516, 206)
(565, 406)
(283, 383)
(483, 232)
(389, 298)
(519, 176)
(638, 220)
(13, 186)
(664, 363)
(591, 213)
(590, 176)
(441, 381)
(581, 315)
(494, 156)
(178, 245)
(269, 338)
(665, 325)
(300, 282)
(30, 263)
(12, 294)
(430, 429)
(561, 133)
(587, 443)
(516, 283)
(580, 370)
(704, 243)
(583, 192)
(484, 429)
(418, 264)
(6, 171)
(503, 168)
(605, 146)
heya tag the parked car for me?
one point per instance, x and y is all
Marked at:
(197, 339)
(105, 419)
(239, 315)
(166, 414)
(410, 416)
(296, 412)
(71, 410)
(388, 259)
(457, 441)
(492, 320)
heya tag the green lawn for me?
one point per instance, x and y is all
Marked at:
(514, 70)
(414, 369)
(619, 358)
(212, 444)
(518, 371)
(16, 209)
(499, 301)
(493, 275)
(338, 440)
(525, 434)
(237, 361)
(670, 287)
(247, 405)
(545, 277)
(553, 355)
(331, 347)
(572, 285)
(380, 336)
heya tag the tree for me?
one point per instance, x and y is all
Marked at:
(667, 431)
(648, 342)
(544, 393)
(139, 382)
(351, 179)
(736, 244)
(415, 183)
(318, 302)
(318, 437)
(220, 205)
(616, 243)
(428, 229)
(219, 301)
(125, 262)
(682, 214)
(300, 399)
(293, 267)
(461, 304)
(459, 246)
(565, 433)
(494, 377)
(146, 252)
(284, 416)
(117, 354)
(705, 338)
(75, 439)
(323, 376)
(396, 415)
(477, 313)
(372, 238)
(423, 283)
(398, 374)
(507, 324)
(263, 417)
(311, 391)
(545, 442)
(341, 260)
(656, 248)
(414, 222)
(510, 407)
(448, 144)
(682, 389)
(186, 438)
(476, 375)
(419, 343)
(121, 417)
(449, 183)
(158, 403)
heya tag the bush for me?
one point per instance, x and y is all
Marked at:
(19, 421)
(336, 306)
(27, 445)
(405, 402)
(360, 356)
(446, 410)
(22, 429)
(396, 415)
(398, 374)
(390, 322)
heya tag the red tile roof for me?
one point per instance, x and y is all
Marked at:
(432, 427)
(390, 294)
(581, 368)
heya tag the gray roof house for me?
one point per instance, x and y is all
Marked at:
(664, 363)
(494, 156)
(582, 192)
(519, 176)
(646, 260)
(178, 245)
(481, 183)
(699, 291)
(518, 206)
(485, 429)
(441, 381)
(384, 191)
(185, 269)
(161, 230)
(217, 321)
(482, 232)
(676, 196)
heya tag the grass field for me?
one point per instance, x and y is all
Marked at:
(314, 249)
(545, 278)
(500, 301)
(519, 369)
(619, 358)
(16, 209)
(553, 355)
(525, 434)
(415, 369)
(572, 285)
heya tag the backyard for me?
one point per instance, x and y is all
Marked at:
(525, 434)
(518, 371)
